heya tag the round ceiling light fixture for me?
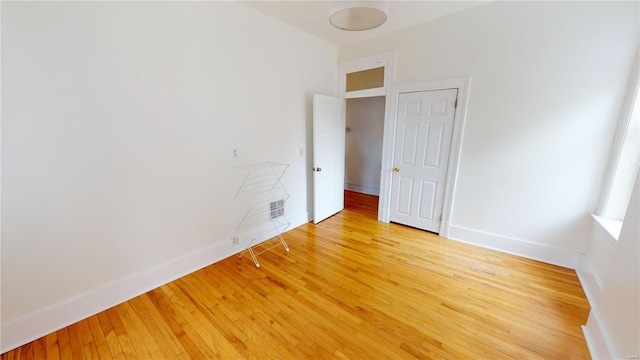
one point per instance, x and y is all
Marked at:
(358, 15)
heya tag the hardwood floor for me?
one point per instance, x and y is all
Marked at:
(351, 287)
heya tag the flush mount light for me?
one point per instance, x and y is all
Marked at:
(358, 15)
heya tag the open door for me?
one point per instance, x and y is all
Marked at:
(328, 156)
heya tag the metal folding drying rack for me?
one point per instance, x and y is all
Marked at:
(265, 219)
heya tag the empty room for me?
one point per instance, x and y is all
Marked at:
(320, 179)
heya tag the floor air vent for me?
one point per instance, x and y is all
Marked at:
(277, 209)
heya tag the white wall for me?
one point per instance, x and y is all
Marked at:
(363, 144)
(118, 123)
(613, 328)
(548, 80)
(598, 255)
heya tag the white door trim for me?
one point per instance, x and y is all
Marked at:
(462, 84)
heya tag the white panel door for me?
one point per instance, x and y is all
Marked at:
(421, 156)
(328, 156)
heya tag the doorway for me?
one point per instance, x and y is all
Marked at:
(363, 147)
(363, 144)
(365, 85)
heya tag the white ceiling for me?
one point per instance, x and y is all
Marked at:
(312, 16)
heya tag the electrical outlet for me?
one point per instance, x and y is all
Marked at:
(234, 153)
(235, 241)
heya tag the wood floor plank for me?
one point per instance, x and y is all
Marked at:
(91, 351)
(227, 337)
(350, 288)
(152, 336)
(98, 336)
(40, 348)
(77, 351)
(13, 355)
(192, 311)
(158, 327)
(52, 351)
(26, 352)
(198, 346)
(110, 336)
(159, 302)
(141, 341)
(121, 334)
(84, 330)
(64, 345)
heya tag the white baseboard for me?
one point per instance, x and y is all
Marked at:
(370, 190)
(20, 331)
(23, 330)
(596, 337)
(600, 251)
(556, 256)
(589, 282)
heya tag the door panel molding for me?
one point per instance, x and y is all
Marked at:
(462, 84)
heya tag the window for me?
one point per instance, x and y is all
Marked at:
(366, 79)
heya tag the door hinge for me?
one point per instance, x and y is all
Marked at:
(455, 104)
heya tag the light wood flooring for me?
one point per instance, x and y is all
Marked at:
(351, 287)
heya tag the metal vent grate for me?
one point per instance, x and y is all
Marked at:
(277, 209)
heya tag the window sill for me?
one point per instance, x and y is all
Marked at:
(612, 227)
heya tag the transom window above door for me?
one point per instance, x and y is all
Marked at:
(365, 79)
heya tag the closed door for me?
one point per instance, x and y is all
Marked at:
(421, 155)
(328, 156)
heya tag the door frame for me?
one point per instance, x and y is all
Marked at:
(388, 143)
(388, 61)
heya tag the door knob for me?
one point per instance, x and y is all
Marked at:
(395, 169)
(316, 169)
